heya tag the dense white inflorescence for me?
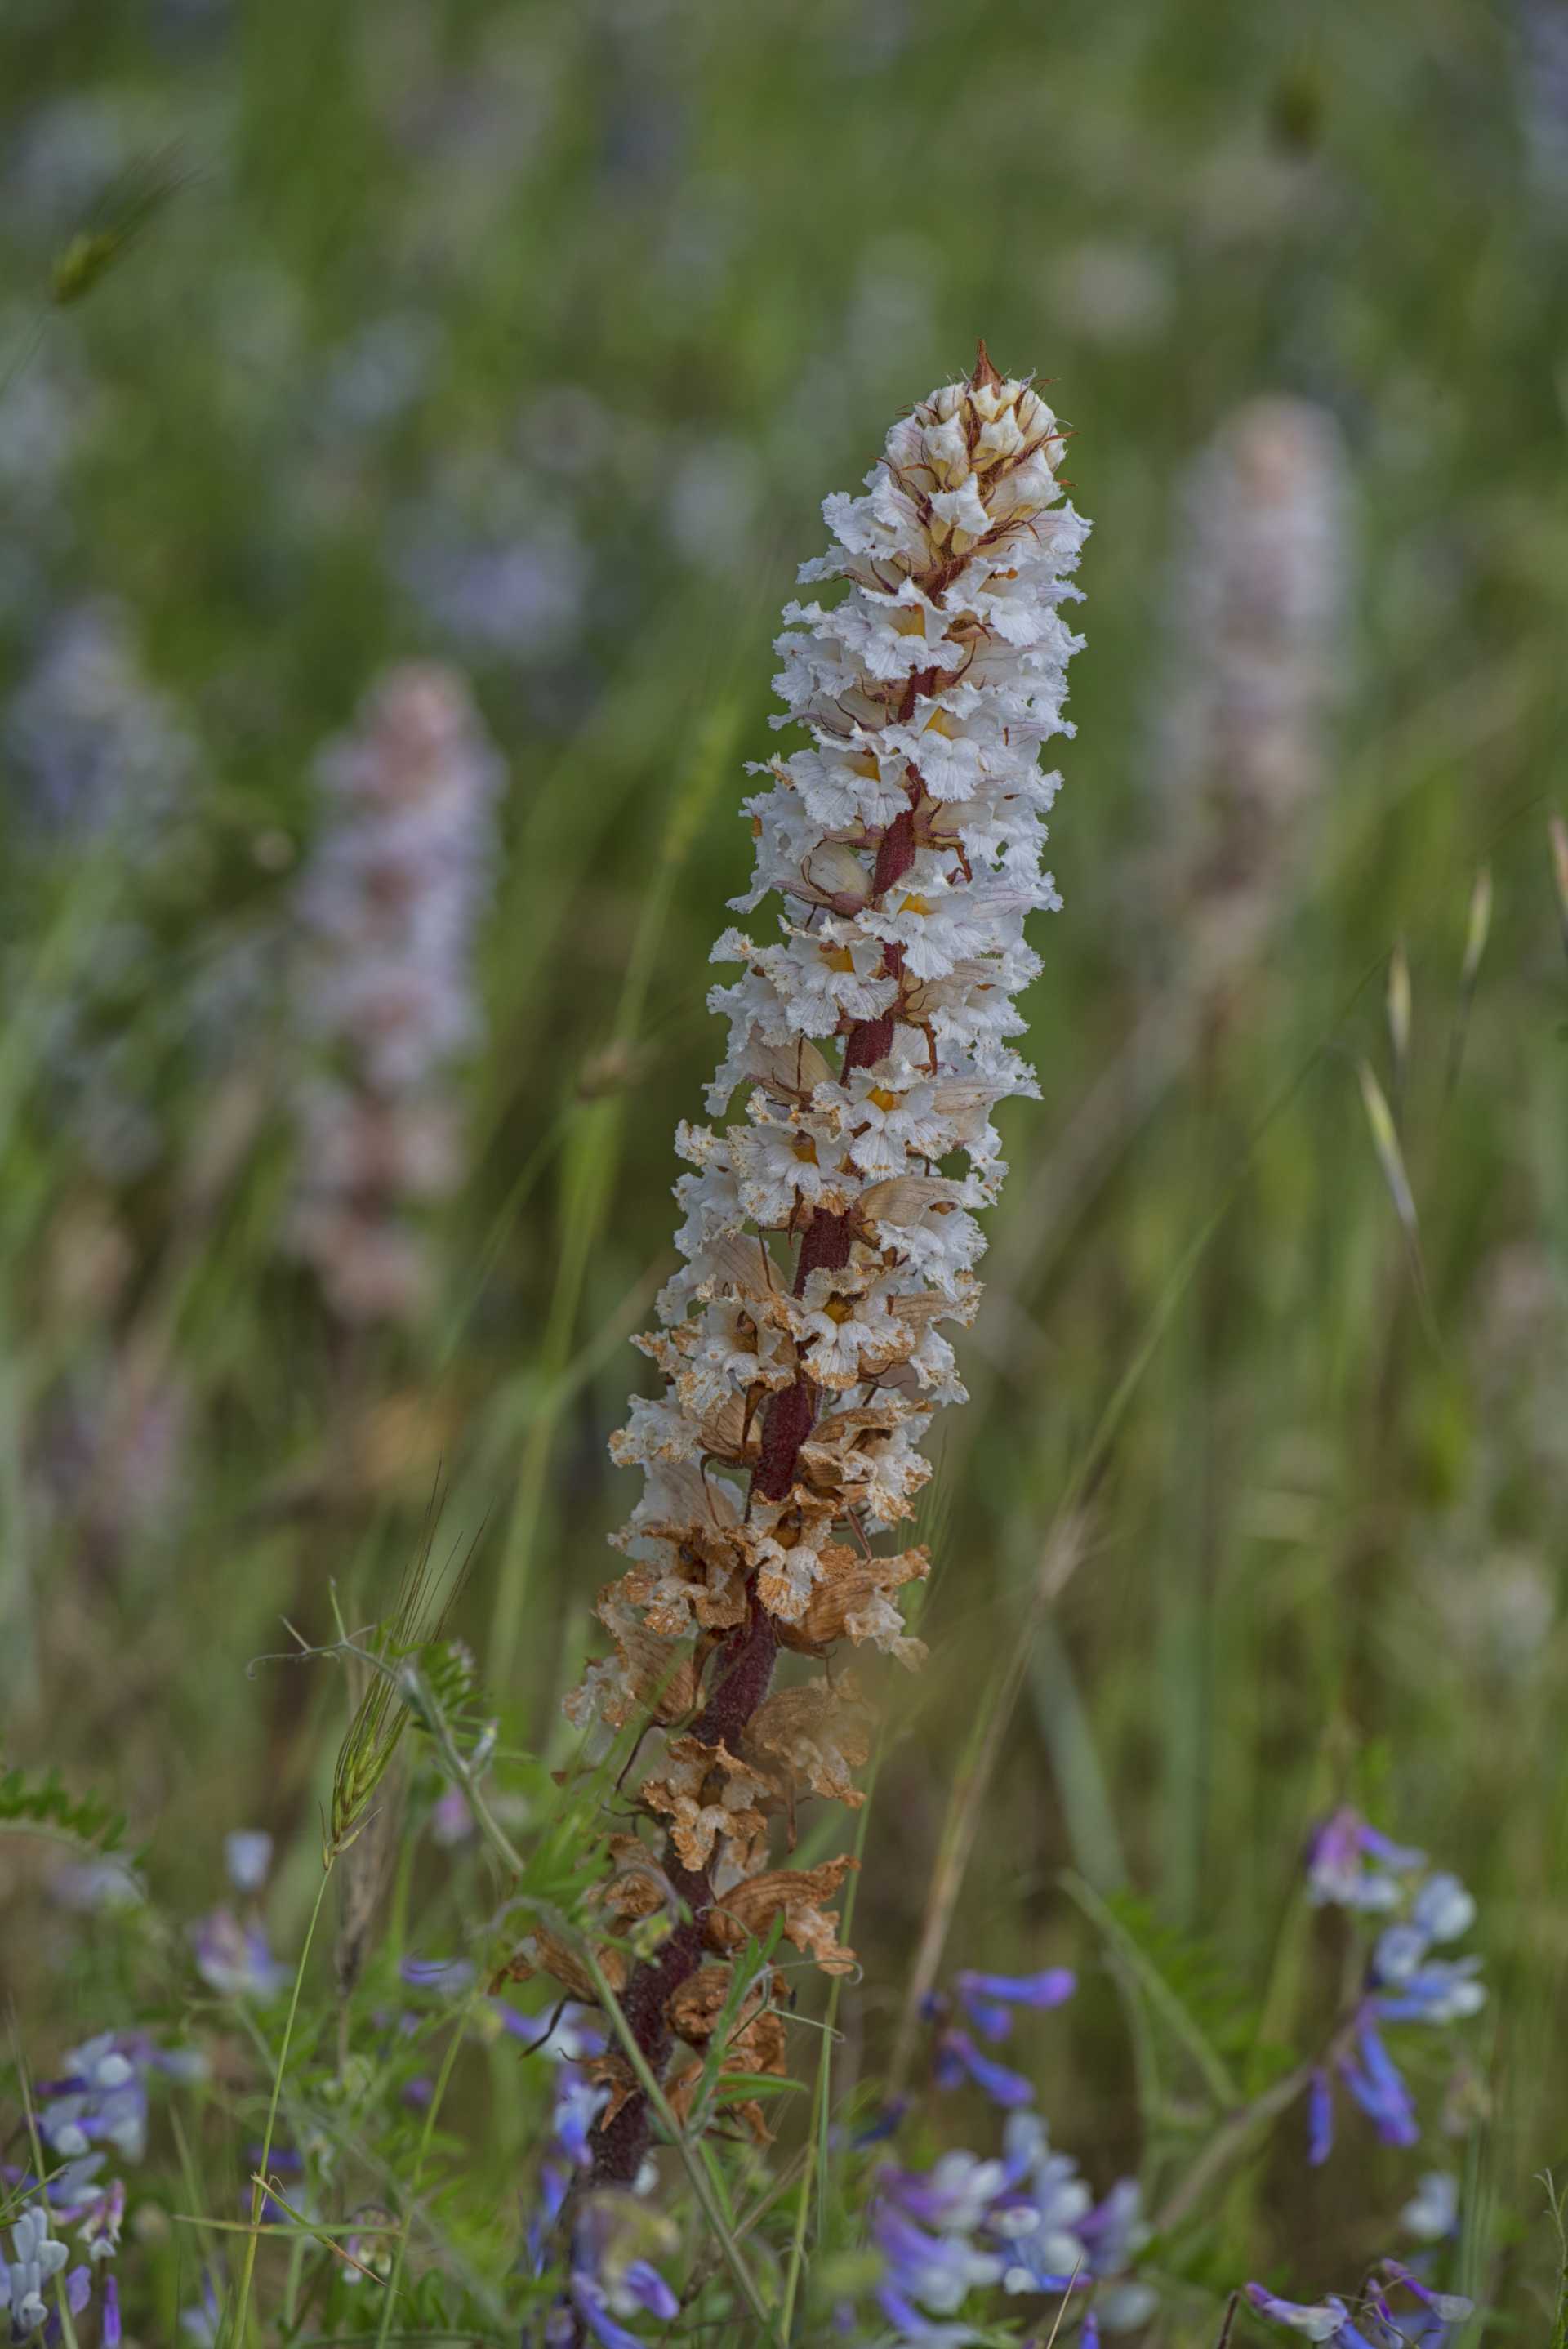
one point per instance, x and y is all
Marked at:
(389, 906)
(829, 1229)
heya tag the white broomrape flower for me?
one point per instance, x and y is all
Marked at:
(827, 1230)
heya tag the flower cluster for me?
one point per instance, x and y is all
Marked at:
(1351, 1865)
(388, 906)
(1023, 2221)
(1260, 593)
(36, 2256)
(1026, 2221)
(611, 2275)
(233, 1955)
(101, 749)
(986, 2002)
(1374, 2322)
(829, 1238)
(98, 2104)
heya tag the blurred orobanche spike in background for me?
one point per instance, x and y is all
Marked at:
(1259, 629)
(388, 907)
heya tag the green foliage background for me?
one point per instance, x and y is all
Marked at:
(668, 271)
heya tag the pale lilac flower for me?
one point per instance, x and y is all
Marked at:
(99, 2098)
(1433, 2211)
(235, 1959)
(98, 1886)
(35, 2258)
(446, 1977)
(101, 749)
(451, 1821)
(247, 1856)
(1350, 1865)
(204, 2323)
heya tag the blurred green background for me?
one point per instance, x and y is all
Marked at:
(530, 337)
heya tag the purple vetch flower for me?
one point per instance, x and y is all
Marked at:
(956, 2058)
(1319, 2118)
(204, 2323)
(1374, 2325)
(1404, 1982)
(955, 2193)
(235, 1960)
(612, 2276)
(97, 1887)
(447, 1977)
(282, 2163)
(100, 2223)
(935, 2269)
(988, 2000)
(1324, 2320)
(1337, 1871)
(1059, 2240)
(1378, 2088)
(78, 2291)
(451, 1821)
(1447, 2307)
(101, 2097)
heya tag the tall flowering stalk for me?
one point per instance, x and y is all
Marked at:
(389, 906)
(802, 1346)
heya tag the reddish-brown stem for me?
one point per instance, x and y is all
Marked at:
(745, 1665)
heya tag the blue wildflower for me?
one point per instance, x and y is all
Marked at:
(247, 1856)
(956, 2057)
(988, 2000)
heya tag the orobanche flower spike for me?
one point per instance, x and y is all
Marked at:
(802, 1346)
